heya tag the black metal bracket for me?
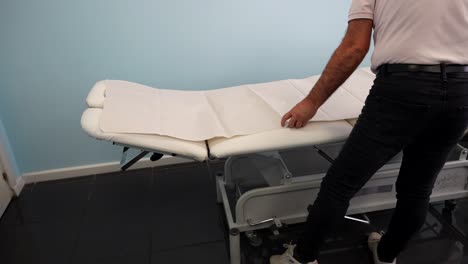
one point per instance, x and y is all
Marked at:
(325, 155)
(130, 163)
(156, 156)
(125, 165)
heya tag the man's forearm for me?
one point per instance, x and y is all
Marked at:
(342, 64)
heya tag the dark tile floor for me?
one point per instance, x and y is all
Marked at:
(170, 215)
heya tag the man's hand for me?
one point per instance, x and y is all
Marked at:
(300, 114)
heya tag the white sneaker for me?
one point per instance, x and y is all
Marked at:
(373, 242)
(287, 257)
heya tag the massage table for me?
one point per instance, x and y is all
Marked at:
(260, 186)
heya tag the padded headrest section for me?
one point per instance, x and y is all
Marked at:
(97, 95)
(154, 143)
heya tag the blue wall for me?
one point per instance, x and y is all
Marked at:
(53, 51)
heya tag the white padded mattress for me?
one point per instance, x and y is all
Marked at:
(196, 147)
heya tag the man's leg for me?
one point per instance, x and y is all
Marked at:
(396, 111)
(422, 161)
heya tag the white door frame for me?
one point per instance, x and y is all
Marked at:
(6, 192)
(13, 179)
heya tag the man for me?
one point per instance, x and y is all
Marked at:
(418, 104)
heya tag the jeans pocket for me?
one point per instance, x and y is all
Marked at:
(399, 117)
(402, 105)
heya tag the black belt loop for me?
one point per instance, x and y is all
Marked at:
(443, 71)
(383, 70)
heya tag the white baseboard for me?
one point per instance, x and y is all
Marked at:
(73, 172)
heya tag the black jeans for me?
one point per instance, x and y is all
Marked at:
(423, 116)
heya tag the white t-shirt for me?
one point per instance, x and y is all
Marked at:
(416, 31)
